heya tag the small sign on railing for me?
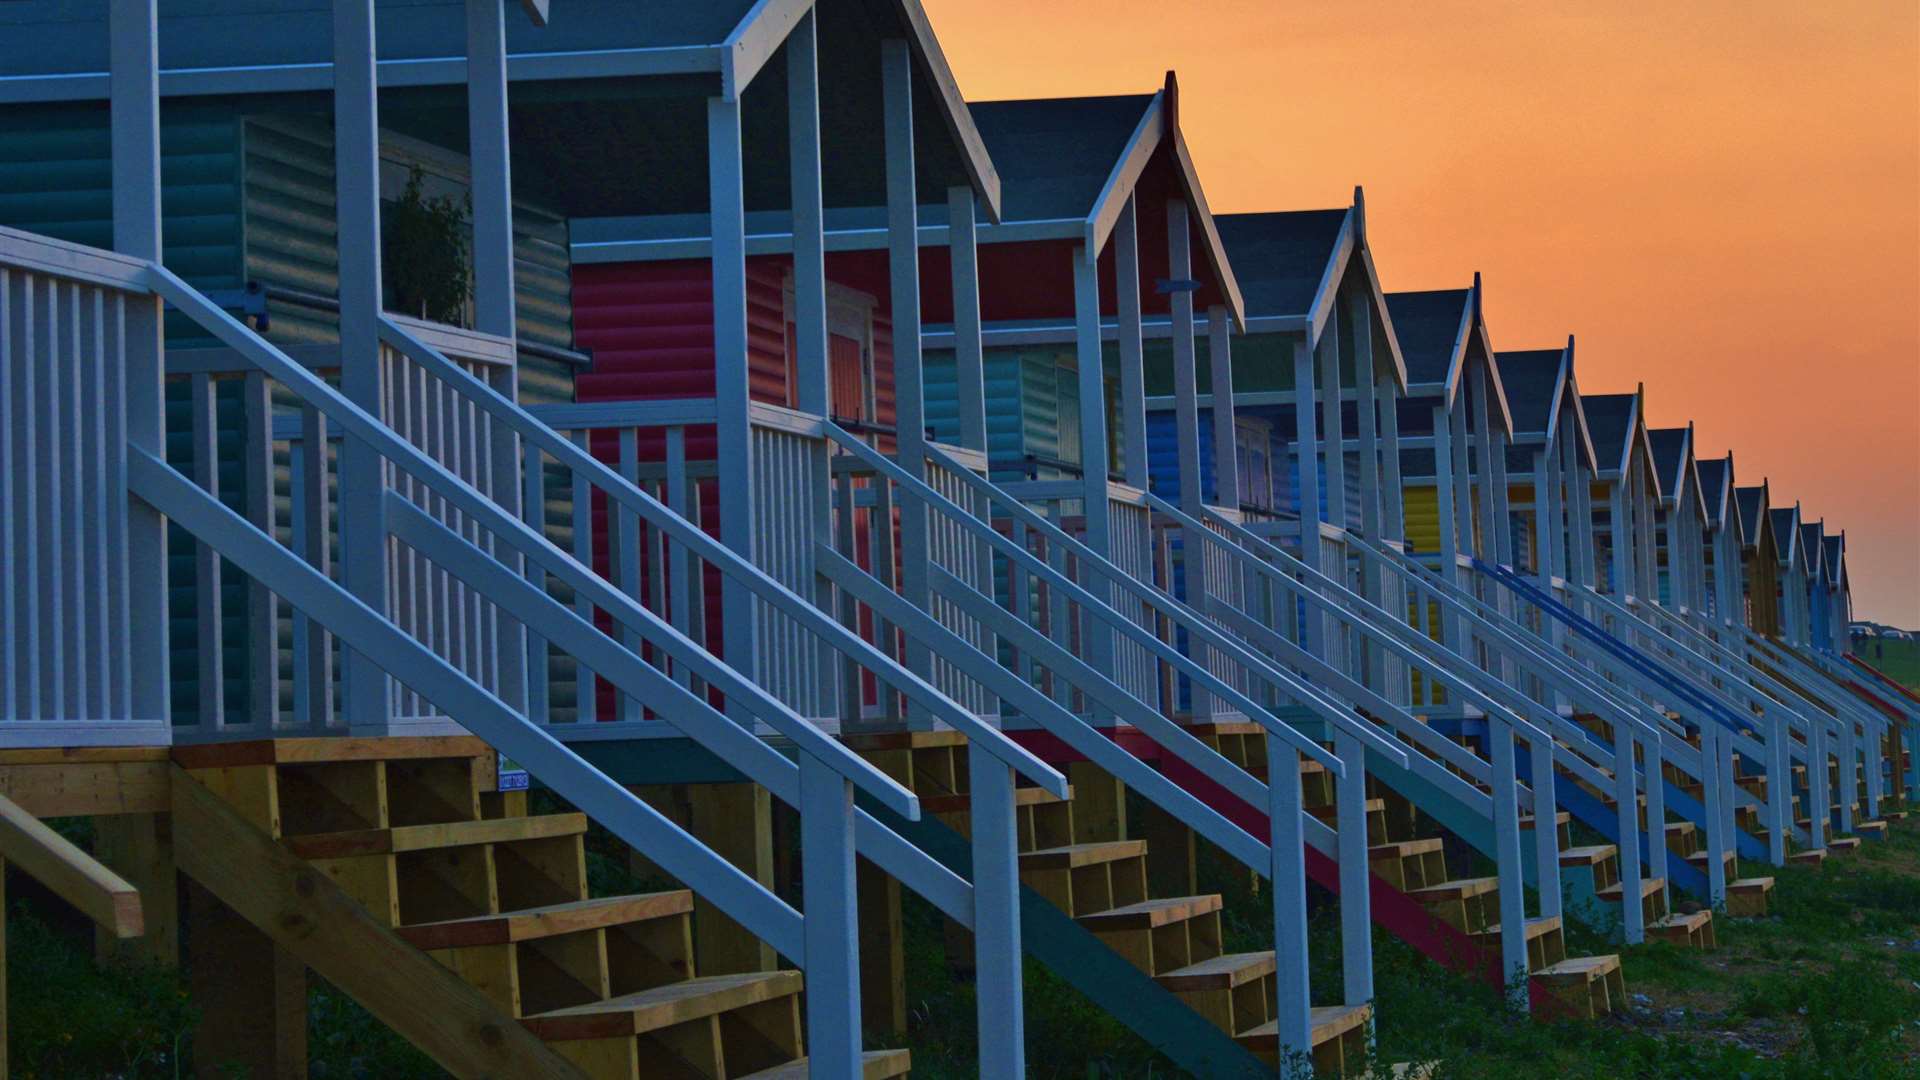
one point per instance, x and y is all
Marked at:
(512, 776)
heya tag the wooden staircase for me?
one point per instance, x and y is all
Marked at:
(1074, 853)
(1588, 986)
(414, 830)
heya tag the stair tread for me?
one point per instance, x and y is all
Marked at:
(320, 750)
(1561, 818)
(1461, 888)
(1648, 886)
(874, 1065)
(1584, 968)
(1589, 855)
(662, 1006)
(1327, 1022)
(1220, 973)
(1404, 848)
(957, 803)
(1683, 919)
(401, 838)
(1151, 913)
(1536, 927)
(530, 924)
(1072, 855)
(1752, 884)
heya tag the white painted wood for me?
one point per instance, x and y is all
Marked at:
(1133, 400)
(1226, 442)
(968, 348)
(738, 524)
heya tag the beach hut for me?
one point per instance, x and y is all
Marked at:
(1680, 524)
(1724, 542)
(1760, 559)
(1626, 492)
(1796, 573)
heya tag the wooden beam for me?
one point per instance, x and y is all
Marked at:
(139, 847)
(72, 874)
(316, 921)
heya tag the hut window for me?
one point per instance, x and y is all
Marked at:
(850, 363)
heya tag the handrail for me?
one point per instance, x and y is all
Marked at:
(372, 635)
(1332, 711)
(1627, 655)
(696, 540)
(1189, 619)
(1385, 629)
(618, 664)
(75, 876)
(357, 422)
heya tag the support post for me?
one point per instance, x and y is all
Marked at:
(996, 918)
(1356, 915)
(1096, 509)
(733, 425)
(1186, 407)
(1506, 843)
(832, 919)
(1226, 444)
(1546, 827)
(1293, 1004)
(1133, 387)
(363, 530)
(134, 96)
(969, 355)
(1627, 807)
(493, 293)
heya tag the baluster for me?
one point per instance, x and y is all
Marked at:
(70, 606)
(685, 588)
(95, 375)
(584, 686)
(206, 608)
(533, 511)
(317, 542)
(9, 670)
(623, 554)
(264, 644)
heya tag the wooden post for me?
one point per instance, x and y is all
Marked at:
(1172, 855)
(3, 969)
(252, 995)
(1099, 804)
(139, 847)
(735, 820)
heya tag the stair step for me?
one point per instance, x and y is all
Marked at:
(1459, 889)
(1592, 855)
(1220, 973)
(1401, 849)
(1648, 887)
(1148, 914)
(961, 803)
(1843, 845)
(316, 751)
(1809, 857)
(1877, 828)
(1562, 818)
(1073, 856)
(1747, 898)
(1328, 1022)
(550, 921)
(1685, 928)
(1582, 969)
(1539, 926)
(403, 838)
(662, 1006)
(874, 1065)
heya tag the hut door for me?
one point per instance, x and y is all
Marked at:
(850, 375)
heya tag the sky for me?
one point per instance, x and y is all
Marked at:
(1721, 200)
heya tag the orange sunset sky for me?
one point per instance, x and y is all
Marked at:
(1720, 199)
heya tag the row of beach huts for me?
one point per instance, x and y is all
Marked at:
(574, 591)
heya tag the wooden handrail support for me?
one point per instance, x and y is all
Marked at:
(304, 912)
(73, 875)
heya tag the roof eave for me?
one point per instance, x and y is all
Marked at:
(933, 60)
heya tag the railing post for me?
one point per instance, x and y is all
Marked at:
(1226, 444)
(1097, 508)
(1625, 794)
(363, 530)
(1506, 843)
(832, 931)
(1133, 392)
(996, 918)
(1546, 829)
(134, 94)
(493, 296)
(1356, 909)
(1715, 788)
(1293, 1006)
(733, 402)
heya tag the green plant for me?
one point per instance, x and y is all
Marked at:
(425, 252)
(69, 1017)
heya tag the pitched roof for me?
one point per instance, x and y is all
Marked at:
(1788, 537)
(1715, 477)
(1671, 455)
(1054, 154)
(1748, 502)
(1280, 258)
(1532, 380)
(1610, 419)
(1428, 325)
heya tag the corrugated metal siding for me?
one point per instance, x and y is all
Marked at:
(1422, 510)
(291, 236)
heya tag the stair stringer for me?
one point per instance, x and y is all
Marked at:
(313, 918)
(1074, 953)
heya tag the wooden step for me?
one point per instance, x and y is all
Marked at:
(663, 1006)
(1592, 855)
(1401, 849)
(963, 802)
(1220, 973)
(1545, 942)
(1458, 889)
(315, 751)
(404, 838)
(552, 920)
(1843, 845)
(1875, 829)
(1687, 929)
(1150, 914)
(1809, 857)
(1338, 1034)
(1077, 856)
(1649, 886)
(874, 1065)
(1747, 897)
(1590, 986)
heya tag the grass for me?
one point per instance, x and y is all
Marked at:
(1899, 660)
